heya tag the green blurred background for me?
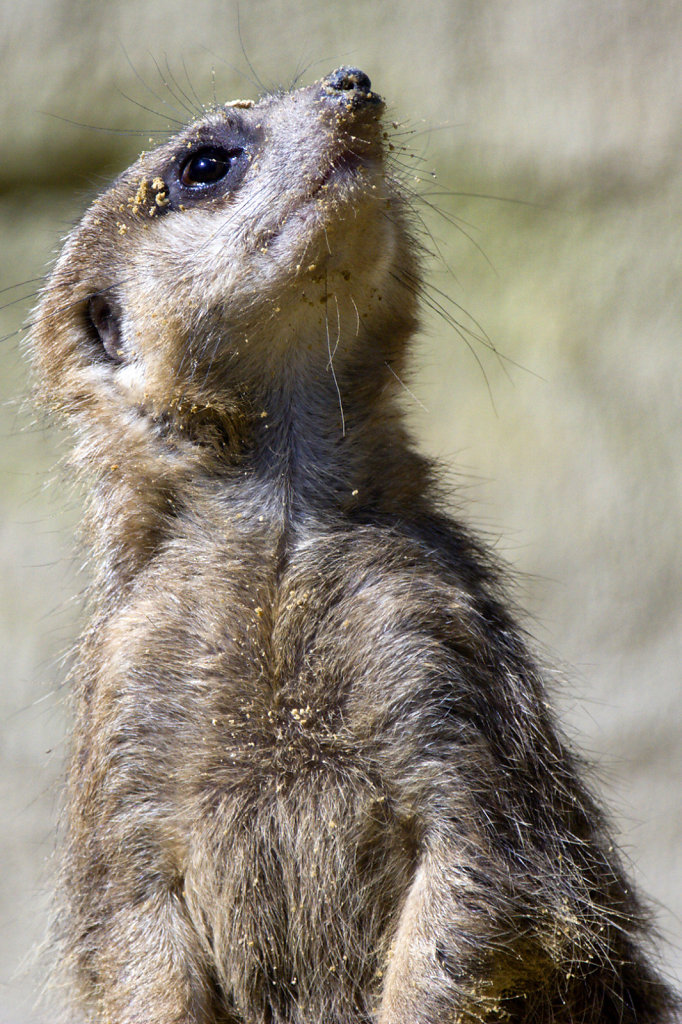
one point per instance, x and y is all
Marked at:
(566, 451)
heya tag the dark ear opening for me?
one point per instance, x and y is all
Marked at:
(105, 326)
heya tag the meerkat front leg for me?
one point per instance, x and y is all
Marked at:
(455, 955)
(418, 987)
(147, 967)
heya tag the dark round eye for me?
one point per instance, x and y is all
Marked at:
(208, 165)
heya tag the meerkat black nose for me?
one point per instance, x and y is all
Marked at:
(353, 84)
(349, 78)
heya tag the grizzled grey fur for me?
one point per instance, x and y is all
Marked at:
(314, 776)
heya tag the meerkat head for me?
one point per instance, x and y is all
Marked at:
(243, 250)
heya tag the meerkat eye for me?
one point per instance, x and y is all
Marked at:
(105, 324)
(208, 165)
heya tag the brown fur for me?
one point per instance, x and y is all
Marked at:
(314, 775)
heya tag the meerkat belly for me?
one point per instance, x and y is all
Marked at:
(298, 861)
(296, 878)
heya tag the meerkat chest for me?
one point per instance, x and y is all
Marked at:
(233, 660)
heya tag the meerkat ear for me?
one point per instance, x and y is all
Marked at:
(105, 324)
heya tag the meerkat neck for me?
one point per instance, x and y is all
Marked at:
(333, 449)
(302, 457)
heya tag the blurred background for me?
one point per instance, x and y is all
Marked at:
(543, 137)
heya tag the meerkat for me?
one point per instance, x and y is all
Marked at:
(314, 776)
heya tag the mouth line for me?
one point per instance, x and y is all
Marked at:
(347, 164)
(346, 168)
